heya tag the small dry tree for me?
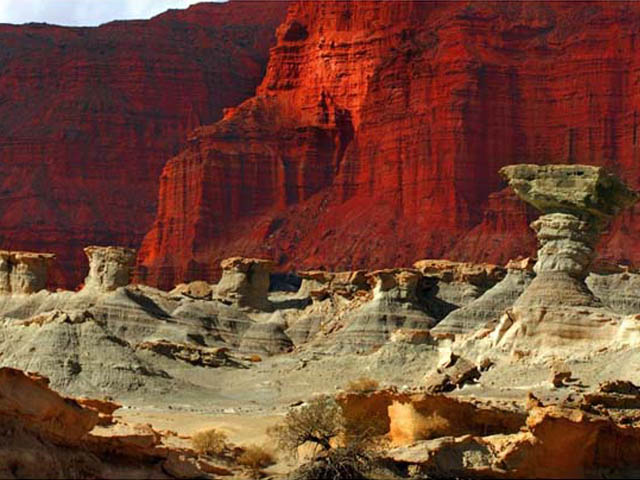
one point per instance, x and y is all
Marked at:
(318, 423)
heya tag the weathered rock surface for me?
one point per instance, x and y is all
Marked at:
(45, 435)
(376, 143)
(266, 338)
(24, 272)
(89, 117)
(245, 282)
(319, 284)
(395, 304)
(577, 202)
(490, 306)
(585, 440)
(109, 267)
(620, 292)
(580, 190)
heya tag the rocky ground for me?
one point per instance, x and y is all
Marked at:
(527, 370)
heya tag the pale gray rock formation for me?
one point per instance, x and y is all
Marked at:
(245, 282)
(490, 306)
(577, 202)
(557, 312)
(109, 267)
(620, 292)
(395, 304)
(267, 337)
(455, 284)
(24, 272)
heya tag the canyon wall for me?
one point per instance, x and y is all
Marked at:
(89, 117)
(377, 133)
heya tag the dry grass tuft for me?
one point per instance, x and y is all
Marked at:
(362, 385)
(256, 458)
(210, 442)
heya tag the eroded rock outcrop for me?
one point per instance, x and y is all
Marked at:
(245, 282)
(24, 272)
(109, 267)
(44, 435)
(318, 284)
(395, 304)
(577, 203)
(440, 436)
(490, 305)
(362, 149)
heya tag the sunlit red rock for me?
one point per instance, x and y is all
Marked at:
(377, 133)
(89, 117)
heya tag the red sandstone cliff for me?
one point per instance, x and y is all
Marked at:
(377, 133)
(89, 117)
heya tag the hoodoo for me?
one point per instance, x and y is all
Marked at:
(245, 282)
(24, 272)
(577, 202)
(109, 267)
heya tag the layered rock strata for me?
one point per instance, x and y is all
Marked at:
(109, 267)
(577, 203)
(395, 304)
(490, 305)
(377, 132)
(456, 284)
(89, 117)
(619, 292)
(24, 272)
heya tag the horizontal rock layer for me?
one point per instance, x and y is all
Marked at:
(378, 131)
(89, 116)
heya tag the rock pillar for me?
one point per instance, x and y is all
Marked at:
(109, 267)
(577, 202)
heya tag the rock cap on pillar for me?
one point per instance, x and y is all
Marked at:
(24, 272)
(581, 190)
(577, 202)
(109, 267)
(245, 281)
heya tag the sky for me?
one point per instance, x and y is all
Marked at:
(84, 12)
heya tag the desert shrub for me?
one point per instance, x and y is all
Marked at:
(318, 422)
(256, 458)
(343, 463)
(431, 426)
(362, 384)
(210, 442)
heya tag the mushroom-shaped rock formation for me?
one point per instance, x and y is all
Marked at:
(395, 304)
(24, 272)
(245, 282)
(109, 267)
(577, 202)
